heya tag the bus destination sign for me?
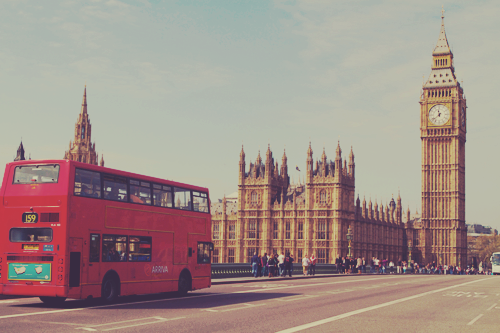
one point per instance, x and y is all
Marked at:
(30, 217)
(33, 247)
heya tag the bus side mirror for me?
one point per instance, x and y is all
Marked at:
(190, 252)
(211, 246)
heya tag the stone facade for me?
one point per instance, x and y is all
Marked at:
(274, 216)
(82, 149)
(442, 235)
(20, 153)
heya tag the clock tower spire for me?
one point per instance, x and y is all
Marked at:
(443, 234)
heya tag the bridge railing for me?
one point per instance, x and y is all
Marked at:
(222, 271)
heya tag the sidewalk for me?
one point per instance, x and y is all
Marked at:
(249, 279)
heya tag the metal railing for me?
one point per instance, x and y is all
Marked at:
(222, 271)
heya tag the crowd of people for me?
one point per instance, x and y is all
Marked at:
(282, 265)
(359, 265)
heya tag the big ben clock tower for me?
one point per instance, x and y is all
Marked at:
(443, 237)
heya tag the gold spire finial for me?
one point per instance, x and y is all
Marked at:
(442, 12)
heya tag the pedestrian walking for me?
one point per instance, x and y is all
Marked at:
(312, 265)
(305, 264)
(281, 263)
(254, 264)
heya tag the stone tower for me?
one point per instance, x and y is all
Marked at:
(82, 149)
(443, 235)
(20, 153)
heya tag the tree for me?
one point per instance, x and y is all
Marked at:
(483, 247)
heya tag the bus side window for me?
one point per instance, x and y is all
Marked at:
(203, 253)
(140, 192)
(87, 183)
(182, 198)
(115, 188)
(162, 195)
(139, 248)
(95, 243)
(114, 248)
(200, 202)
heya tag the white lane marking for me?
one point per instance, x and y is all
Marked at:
(309, 285)
(491, 307)
(370, 308)
(474, 320)
(225, 308)
(294, 298)
(162, 320)
(156, 320)
(206, 295)
(102, 306)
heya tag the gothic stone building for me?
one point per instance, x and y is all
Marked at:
(275, 216)
(442, 234)
(82, 149)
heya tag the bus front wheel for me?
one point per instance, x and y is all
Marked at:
(52, 300)
(110, 290)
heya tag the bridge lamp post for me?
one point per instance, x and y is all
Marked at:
(409, 252)
(349, 238)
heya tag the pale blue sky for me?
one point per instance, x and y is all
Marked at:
(174, 88)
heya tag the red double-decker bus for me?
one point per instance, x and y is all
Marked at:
(76, 230)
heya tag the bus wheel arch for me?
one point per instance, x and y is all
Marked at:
(185, 282)
(111, 286)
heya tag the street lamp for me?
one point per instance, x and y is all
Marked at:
(349, 238)
(409, 252)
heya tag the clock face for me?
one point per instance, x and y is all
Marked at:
(463, 117)
(439, 114)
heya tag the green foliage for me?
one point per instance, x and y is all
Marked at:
(483, 247)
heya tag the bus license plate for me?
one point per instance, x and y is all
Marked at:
(30, 217)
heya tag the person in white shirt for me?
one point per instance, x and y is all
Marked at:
(391, 267)
(305, 264)
(281, 263)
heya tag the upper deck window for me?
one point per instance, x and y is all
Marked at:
(200, 202)
(115, 188)
(87, 183)
(36, 174)
(162, 195)
(140, 192)
(495, 259)
(182, 198)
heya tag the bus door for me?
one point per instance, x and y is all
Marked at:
(93, 273)
(75, 264)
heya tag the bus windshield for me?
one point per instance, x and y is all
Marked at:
(36, 174)
(495, 259)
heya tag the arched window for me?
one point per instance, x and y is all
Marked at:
(322, 197)
(83, 132)
(254, 197)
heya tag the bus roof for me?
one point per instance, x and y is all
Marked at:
(107, 170)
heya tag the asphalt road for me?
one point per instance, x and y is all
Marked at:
(373, 303)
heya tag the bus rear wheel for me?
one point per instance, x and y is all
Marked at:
(184, 285)
(109, 290)
(52, 300)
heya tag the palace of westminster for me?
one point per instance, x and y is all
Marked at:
(271, 215)
(313, 216)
